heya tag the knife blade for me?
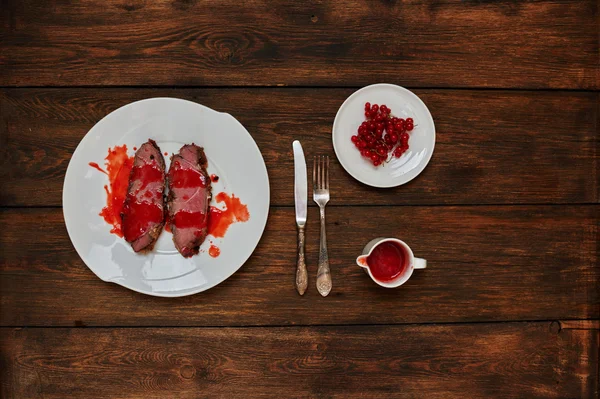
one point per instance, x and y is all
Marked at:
(300, 183)
(301, 200)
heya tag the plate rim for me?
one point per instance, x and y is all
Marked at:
(165, 294)
(335, 122)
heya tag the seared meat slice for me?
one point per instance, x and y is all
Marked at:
(144, 210)
(189, 198)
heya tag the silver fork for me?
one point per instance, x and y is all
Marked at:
(321, 197)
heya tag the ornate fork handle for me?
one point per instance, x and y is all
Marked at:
(323, 273)
(301, 273)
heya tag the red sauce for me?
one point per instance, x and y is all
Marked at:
(140, 216)
(95, 166)
(147, 173)
(118, 166)
(184, 219)
(214, 220)
(214, 251)
(234, 212)
(214, 178)
(185, 178)
(387, 261)
(167, 222)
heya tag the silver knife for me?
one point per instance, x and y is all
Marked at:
(301, 199)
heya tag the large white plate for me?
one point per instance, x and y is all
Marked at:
(232, 155)
(404, 104)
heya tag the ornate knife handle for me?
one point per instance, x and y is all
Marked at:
(301, 273)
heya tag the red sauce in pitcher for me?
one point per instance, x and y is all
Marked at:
(387, 261)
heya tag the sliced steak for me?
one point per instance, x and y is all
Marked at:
(144, 210)
(189, 198)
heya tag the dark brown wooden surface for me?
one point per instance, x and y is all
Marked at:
(486, 263)
(437, 43)
(492, 147)
(514, 360)
(507, 212)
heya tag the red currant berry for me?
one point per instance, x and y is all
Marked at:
(367, 114)
(375, 107)
(367, 106)
(365, 153)
(409, 120)
(387, 139)
(404, 137)
(393, 138)
(354, 139)
(374, 157)
(377, 162)
(409, 126)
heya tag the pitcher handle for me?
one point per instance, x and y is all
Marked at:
(420, 263)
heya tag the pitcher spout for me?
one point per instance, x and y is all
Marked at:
(362, 261)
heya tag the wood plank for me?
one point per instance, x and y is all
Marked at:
(522, 44)
(486, 263)
(492, 147)
(515, 360)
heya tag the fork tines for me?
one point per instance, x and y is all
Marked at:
(321, 172)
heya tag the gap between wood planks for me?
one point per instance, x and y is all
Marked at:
(574, 204)
(557, 325)
(316, 87)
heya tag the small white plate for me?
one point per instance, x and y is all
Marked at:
(404, 104)
(232, 155)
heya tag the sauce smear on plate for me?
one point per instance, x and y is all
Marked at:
(234, 212)
(96, 166)
(118, 166)
(214, 251)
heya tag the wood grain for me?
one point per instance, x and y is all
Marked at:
(485, 263)
(515, 360)
(493, 147)
(440, 43)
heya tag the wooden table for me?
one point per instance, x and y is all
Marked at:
(506, 213)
